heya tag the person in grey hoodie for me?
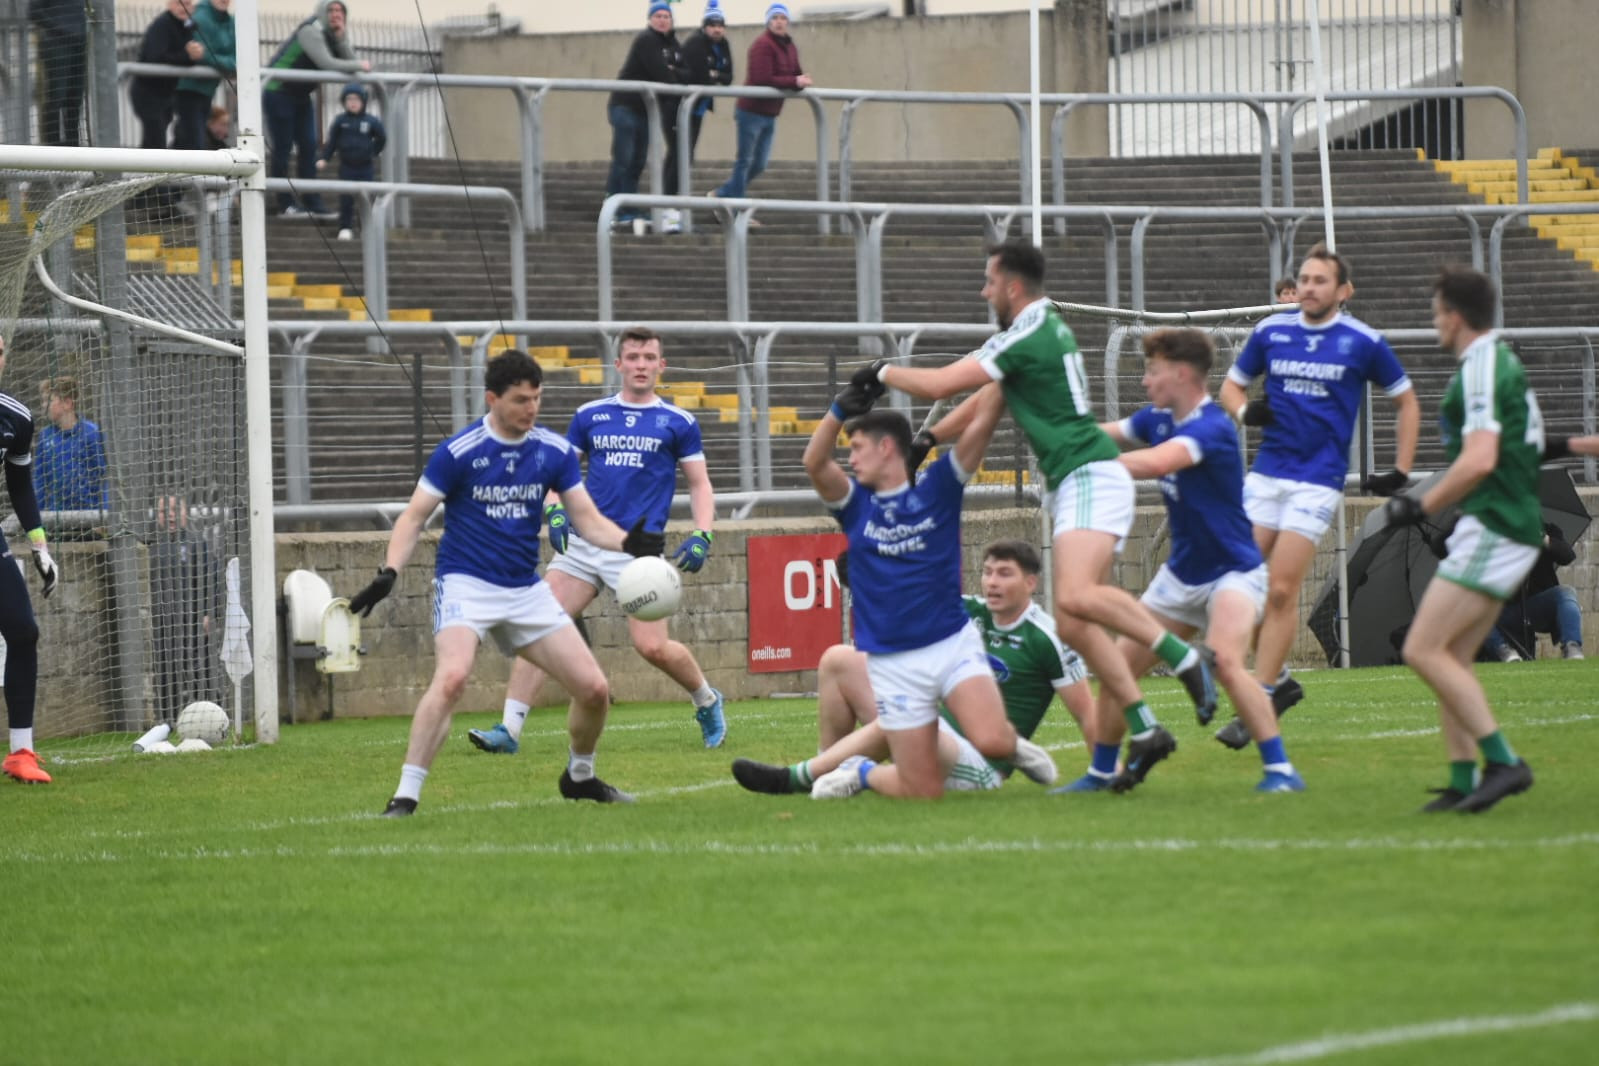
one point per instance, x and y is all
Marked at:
(321, 42)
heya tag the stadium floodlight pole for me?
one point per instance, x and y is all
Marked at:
(1319, 72)
(1035, 130)
(257, 376)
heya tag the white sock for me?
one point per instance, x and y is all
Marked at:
(580, 767)
(513, 717)
(411, 778)
(1282, 676)
(1279, 768)
(703, 696)
(22, 738)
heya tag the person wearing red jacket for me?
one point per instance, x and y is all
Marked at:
(773, 61)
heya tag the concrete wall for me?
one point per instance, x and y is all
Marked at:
(713, 621)
(1541, 50)
(955, 54)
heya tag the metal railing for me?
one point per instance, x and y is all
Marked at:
(393, 91)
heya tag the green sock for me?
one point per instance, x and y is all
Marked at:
(1140, 719)
(1172, 650)
(1495, 748)
(1463, 775)
(800, 775)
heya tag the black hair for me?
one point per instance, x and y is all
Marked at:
(511, 367)
(880, 424)
(1468, 292)
(1019, 552)
(1020, 259)
(1187, 345)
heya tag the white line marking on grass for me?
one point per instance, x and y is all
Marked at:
(967, 846)
(1339, 1043)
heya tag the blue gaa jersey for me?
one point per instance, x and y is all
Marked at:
(633, 452)
(1210, 532)
(1314, 379)
(493, 492)
(905, 559)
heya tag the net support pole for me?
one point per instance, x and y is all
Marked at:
(257, 379)
(1034, 129)
(1319, 71)
(126, 450)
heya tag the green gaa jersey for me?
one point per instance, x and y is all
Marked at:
(1037, 363)
(1489, 392)
(1028, 661)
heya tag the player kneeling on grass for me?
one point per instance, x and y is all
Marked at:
(1028, 660)
(904, 543)
(492, 477)
(1215, 578)
(1493, 436)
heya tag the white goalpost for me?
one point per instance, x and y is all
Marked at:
(119, 312)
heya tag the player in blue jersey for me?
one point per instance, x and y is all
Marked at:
(17, 623)
(1316, 362)
(635, 442)
(492, 478)
(1215, 579)
(905, 573)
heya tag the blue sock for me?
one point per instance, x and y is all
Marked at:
(1104, 761)
(1271, 751)
(866, 767)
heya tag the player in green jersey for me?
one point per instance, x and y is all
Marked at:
(1090, 494)
(1493, 436)
(1028, 660)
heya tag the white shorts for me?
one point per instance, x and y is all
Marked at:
(1170, 596)
(910, 684)
(971, 772)
(1290, 506)
(1099, 496)
(515, 618)
(1481, 560)
(600, 567)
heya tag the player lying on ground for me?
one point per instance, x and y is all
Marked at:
(1493, 436)
(1028, 660)
(904, 543)
(491, 477)
(1215, 579)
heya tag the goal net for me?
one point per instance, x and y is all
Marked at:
(139, 441)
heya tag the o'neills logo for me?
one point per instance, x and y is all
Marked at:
(632, 606)
(770, 652)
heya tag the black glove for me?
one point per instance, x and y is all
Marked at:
(1386, 484)
(1556, 448)
(843, 569)
(639, 542)
(867, 381)
(1438, 537)
(851, 403)
(921, 444)
(1258, 413)
(363, 602)
(1403, 511)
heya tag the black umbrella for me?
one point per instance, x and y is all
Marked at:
(1389, 568)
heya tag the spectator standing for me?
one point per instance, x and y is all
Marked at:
(357, 138)
(1287, 290)
(185, 583)
(63, 30)
(169, 40)
(1543, 605)
(773, 61)
(321, 42)
(708, 58)
(214, 33)
(70, 453)
(653, 56)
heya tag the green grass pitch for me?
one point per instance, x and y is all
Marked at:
(248, 906)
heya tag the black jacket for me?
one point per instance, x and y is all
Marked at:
(355, 139)
(164, 42)
(707, 62)
(652, 57)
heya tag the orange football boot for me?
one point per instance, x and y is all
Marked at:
(24, 766)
